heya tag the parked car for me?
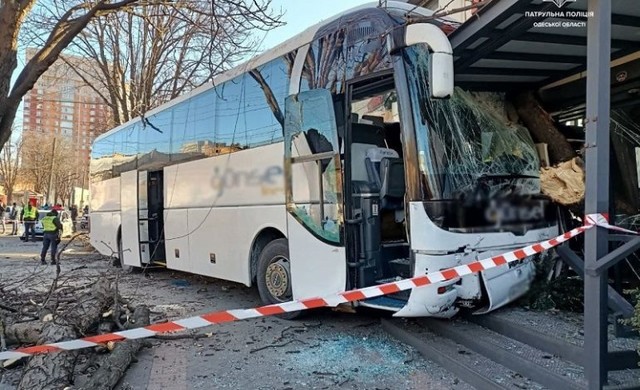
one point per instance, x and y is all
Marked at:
(65, 220)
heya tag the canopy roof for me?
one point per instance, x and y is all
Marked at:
(503, 48)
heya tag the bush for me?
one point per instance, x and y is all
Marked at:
(566, 292)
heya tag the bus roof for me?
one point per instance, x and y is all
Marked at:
(287, 46)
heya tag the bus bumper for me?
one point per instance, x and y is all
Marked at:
(495, 287)
(437, 300)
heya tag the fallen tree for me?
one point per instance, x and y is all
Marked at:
(113, 366)
(543, 128)
(55, 371)
(564, 180)
(68, 310)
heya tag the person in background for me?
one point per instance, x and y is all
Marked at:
(52, 230)
(13, 216)
(74, 216)
(29, 216)
(2, 221)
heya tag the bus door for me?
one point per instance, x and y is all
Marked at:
(129, 219)
(141, 217)
(150, 216)
(375, 183)
(155, 215)
(314, 195)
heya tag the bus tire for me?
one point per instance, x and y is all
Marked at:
(274, 275)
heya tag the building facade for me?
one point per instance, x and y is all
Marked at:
(61, 104)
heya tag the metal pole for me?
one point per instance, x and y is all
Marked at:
(597, 189)
(53, 157)
(84, 174)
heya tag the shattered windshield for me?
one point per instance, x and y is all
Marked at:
(466, 143)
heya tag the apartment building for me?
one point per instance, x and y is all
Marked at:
(62, 104)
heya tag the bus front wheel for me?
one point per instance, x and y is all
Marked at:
(274, 275)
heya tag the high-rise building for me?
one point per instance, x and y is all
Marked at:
(62, 104)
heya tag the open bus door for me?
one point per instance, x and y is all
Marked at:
(129, 242)
(314, 195)
(142, 218)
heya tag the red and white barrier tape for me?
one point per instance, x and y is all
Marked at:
(311, 303)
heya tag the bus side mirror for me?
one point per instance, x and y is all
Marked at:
(440, 75)
(440, 55)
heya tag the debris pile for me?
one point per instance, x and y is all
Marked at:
(66, 310)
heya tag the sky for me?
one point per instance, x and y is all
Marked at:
(301, 14)
(298, 16)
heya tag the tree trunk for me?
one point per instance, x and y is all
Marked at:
(114, 365)
(55, 370)
(24, 332)
(7, 116)
(542, 128)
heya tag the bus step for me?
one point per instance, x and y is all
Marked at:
(388, 280)
(387, 303)
(394, 244)
(401, 267)
(152, 242)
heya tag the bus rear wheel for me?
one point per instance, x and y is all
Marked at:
(274, 275)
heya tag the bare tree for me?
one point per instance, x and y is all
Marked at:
(10, 166)
(48, 167)
(65, 174)
(152, 54)
(63, 20)
(74, 16)
(36, 161)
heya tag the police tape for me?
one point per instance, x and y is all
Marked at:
(312, 303)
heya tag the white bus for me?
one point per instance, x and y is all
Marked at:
(342, 158)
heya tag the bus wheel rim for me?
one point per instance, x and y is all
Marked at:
(277, 278)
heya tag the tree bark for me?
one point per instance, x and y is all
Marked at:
(542, 128)
(24, 332)
(113, 367)
(55, 370)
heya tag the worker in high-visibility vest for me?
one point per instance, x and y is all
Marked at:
(52, 230)
(29, 217)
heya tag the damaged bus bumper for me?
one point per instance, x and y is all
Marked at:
(485, 291)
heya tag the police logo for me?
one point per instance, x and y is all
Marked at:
(559, 3)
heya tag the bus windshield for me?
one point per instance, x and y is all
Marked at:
(465, 142)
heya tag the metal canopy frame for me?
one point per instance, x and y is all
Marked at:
(499, 49)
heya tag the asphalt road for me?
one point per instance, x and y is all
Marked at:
(323, 350)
